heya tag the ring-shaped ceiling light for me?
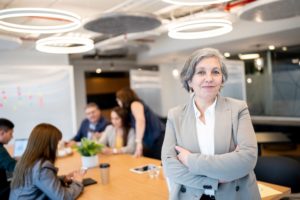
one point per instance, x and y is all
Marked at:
(185, 30)
(64, 45)
(194, 2)
(73, 20)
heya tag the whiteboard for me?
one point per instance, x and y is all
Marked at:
(30, 95)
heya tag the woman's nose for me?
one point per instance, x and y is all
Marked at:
(208, 77)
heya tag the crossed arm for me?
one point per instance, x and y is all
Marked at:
(187, 166)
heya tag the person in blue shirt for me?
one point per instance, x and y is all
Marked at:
(7, 163)
(92, 126)
(148, 127)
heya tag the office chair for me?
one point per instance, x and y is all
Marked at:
(295, 196)
(279, 170)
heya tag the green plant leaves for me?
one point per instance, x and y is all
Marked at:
(89, 147)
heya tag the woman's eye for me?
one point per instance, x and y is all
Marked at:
(201, 72)
(216, 72)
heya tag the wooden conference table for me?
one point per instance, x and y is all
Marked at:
(124, 184)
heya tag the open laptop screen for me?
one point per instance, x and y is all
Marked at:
(19, 147)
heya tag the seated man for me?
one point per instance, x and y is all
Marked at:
(7, 163)
(92, 126)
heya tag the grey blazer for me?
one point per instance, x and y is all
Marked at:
(233, 127)
(43, 184)
(109, 138)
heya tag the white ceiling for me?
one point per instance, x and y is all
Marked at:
(246, 36)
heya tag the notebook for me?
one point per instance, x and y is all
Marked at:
(19, 147)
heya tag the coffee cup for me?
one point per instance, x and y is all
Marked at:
(104, 173)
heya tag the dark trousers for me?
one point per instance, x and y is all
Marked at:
(207, 197)
(155, 150)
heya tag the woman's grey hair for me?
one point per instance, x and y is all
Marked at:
(188, 70)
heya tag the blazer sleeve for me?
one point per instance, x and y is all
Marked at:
(130, 147)
(49, 183)
(174, 169)
(105, 136)
(80, 133)
(235, 164)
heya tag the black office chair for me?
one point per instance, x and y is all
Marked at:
(279, 170)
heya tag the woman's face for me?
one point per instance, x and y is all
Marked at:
(115, 120)
(207, 79)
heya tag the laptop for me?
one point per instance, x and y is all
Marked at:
(19, 147)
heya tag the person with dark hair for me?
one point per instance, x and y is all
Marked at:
(92, 126)
(7, 163)
(148, 127)
(35, 176)
(210, 149)
(118, 137)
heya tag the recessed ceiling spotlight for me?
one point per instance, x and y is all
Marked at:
(227, 54)
(249, 80)
(271, 47)
(284, 48)
(98, 70)
(175, 73)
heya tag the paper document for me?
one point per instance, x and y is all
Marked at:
(266, 191)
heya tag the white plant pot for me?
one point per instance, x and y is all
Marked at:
(89, 161)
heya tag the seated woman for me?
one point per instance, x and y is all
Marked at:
(35, 176)
(118, 137)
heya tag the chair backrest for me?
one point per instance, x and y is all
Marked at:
(294, 196)
(279, 170)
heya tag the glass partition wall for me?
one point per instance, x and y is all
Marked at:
(273, 86)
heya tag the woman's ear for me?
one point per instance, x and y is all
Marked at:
(189, 84)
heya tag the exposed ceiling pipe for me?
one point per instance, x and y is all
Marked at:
(233, 5)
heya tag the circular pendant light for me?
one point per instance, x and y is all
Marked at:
(188, 29)
(72, 20)
(64, 45)
(194, 2)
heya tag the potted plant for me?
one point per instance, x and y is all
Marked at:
(88, 149)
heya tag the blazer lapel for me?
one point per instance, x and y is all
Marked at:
(188, 128)
(222, 133)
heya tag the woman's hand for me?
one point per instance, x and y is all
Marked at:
(182, 154)
(96, 136)
(78, 175)
(107, 151)
(138, 150)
